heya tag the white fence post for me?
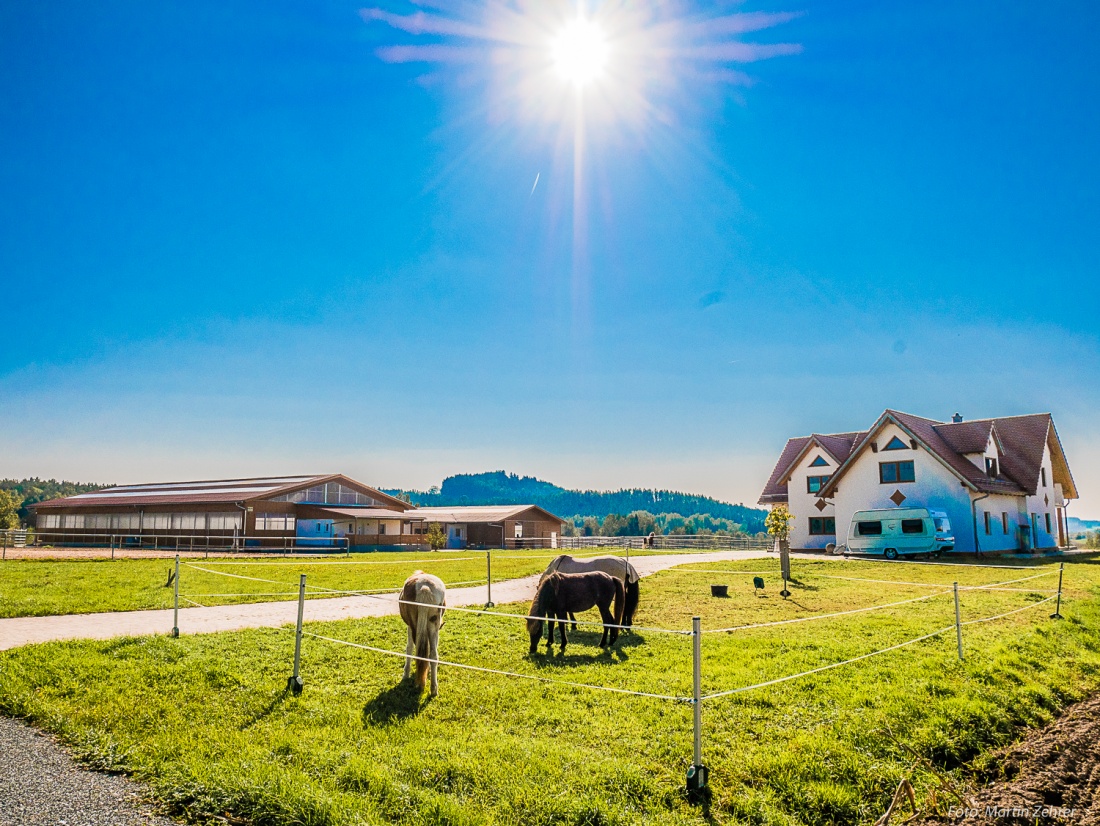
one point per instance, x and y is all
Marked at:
(489, 577)
(1058, 605)
(697, 773)
(294, 684)
(958, 622)
(176, 599)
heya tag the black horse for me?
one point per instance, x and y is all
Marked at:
(562, 594)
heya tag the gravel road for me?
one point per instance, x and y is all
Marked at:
(40, 784)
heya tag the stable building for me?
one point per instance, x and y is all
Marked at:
(495, 526)
(329, 510)
(1004, 483)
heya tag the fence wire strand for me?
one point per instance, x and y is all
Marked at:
(823, 616)
(674, 698)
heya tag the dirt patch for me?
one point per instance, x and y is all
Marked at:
(1052, 776)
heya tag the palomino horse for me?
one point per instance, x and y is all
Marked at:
(616, 566)
(424, 619)
(559, 594)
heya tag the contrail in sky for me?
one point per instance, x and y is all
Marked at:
(536, 183)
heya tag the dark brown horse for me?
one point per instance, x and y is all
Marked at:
(562, 594)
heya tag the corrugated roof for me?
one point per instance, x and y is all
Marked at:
(371, 513)
(477, 513)
(213, 491)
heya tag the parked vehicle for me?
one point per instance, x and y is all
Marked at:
(895, 532)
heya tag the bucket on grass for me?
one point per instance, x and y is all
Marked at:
(719, 590)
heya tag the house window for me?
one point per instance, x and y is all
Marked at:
(896, 444)
(822, 526)
(1047, 515)
(915, 525)
(49, 520)
(892, 472)
(1043, 474)
(990, 466)
(381, 527)
(869, 528)
(1004, 523)
(815, 483)
(988, 528)
(819, 462)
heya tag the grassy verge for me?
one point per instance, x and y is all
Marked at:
(205, 721)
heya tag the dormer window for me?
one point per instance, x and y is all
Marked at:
(820, 462)
(896, 444)
(990, 467)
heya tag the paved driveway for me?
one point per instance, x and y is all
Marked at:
(26, 630)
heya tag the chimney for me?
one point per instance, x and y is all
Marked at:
(957, 418)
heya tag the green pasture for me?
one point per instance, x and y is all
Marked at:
(205, 720)
(33, 588)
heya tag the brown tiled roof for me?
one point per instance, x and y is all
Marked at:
(966, 437)
(838, 445)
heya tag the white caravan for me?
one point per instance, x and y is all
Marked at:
(895, 532)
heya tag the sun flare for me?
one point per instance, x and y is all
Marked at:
(579, 52)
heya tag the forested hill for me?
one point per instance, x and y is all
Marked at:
(27, 492)
(500, 488)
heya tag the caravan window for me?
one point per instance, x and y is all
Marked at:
(869, 528)
(912, 526)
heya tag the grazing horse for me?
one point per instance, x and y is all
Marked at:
(424, 619)
(561, 593)
(614, 565)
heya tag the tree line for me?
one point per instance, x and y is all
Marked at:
(643, 523)
(17, 496)
(664, 507)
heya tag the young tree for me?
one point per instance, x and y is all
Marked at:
(436, 536)
(778, 523)
(9, 510)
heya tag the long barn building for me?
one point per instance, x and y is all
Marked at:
(274, 512)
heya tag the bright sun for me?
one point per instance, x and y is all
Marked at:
(580, 52)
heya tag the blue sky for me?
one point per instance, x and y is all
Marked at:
(236, 240)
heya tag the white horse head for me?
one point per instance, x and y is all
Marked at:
(423, 619)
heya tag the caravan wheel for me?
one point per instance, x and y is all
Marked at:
(891, 553)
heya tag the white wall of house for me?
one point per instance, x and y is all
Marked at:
(1044, 505)
(803, 505)
(1002, 509)
(934, 487)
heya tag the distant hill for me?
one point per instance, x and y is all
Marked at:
(501, 488)
(1081, 525)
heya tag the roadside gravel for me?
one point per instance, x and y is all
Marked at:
(41, 785)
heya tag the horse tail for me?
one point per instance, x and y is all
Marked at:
(632, 595)
(619, 600)
(424, 601)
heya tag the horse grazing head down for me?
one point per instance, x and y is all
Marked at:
(541, 606)
(422, 606)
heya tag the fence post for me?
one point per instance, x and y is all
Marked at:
(697, 790)
(176, 600)
(112, 549)
(958, 622)
(1058, 605)
(294, 684)
(489, 577)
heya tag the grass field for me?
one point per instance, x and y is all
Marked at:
(33, 588)
(205, 721)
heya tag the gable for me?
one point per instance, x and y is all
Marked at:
(896, 444)
(819, 462)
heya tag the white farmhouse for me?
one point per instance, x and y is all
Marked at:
(1004, 483)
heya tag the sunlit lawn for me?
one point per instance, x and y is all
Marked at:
(205, 721)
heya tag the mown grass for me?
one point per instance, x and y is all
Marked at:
(33, 588)
(204, 719)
